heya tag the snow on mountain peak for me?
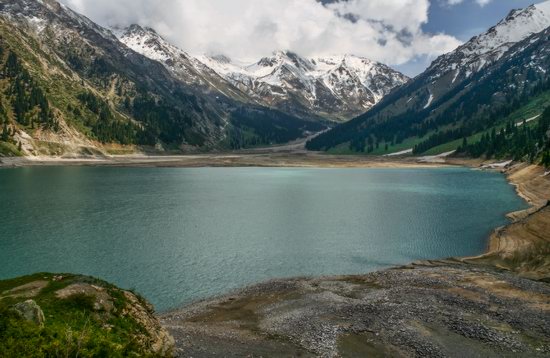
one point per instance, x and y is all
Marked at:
(147, 42)
(341, 85)
(491, 45)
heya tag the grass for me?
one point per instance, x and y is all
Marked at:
(73, 326)
(9, 150)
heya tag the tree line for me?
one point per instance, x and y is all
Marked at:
(516, 141)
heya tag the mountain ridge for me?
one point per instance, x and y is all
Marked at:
(331, 88)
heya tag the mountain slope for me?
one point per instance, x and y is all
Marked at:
(103, 76)
(86, 89)
(188, 69)
(464, 91)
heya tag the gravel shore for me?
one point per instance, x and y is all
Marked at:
(440, 309)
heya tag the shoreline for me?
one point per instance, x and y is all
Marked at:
(523, 245)
(290, 160)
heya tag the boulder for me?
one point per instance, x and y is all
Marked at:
(30, 311)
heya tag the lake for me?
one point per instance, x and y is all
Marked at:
(177, 234)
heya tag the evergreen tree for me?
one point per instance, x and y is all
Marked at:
(5, 133)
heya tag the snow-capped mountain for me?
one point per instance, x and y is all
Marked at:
(489, 47)
(187, 68)
(334, 88)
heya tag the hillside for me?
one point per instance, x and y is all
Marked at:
(46, 315)
(468, 91)
(70, 86)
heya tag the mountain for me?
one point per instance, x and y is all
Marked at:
(332, 88)
(69, 86)
(464, 92)
(149, 43)
(336, 88)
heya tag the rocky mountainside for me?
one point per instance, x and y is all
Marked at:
(464, 92)
(148, 42)
(334, 88)
(71, 87)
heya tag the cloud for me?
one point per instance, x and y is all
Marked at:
(456, 2)
(483, 2)
(389, 31)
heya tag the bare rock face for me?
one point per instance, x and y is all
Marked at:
(160, 341)
(31, 311)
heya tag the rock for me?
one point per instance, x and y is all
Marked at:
(30, 311)
(157, 337)
(102, 299)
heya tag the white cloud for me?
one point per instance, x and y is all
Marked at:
(483, 2)
(456, 2)
(384, 30)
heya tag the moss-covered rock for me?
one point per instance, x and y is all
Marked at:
(71, 315)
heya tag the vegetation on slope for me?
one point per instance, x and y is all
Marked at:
(69, 81)
(47, 315)
(520, 142)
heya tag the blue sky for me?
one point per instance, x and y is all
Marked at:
(468, 18)
(462, 21)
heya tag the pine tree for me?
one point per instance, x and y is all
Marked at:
(5, 133)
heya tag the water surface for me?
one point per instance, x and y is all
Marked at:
(177, 235)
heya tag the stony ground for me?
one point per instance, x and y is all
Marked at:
(438, 309)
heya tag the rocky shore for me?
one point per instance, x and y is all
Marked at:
(494, 305)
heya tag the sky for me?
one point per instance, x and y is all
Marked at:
(405, 34)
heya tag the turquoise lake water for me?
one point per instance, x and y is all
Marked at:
(178, 235)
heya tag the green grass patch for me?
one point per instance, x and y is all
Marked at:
(9, 150)
(73, 325)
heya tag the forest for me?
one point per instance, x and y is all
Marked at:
(515, 141)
